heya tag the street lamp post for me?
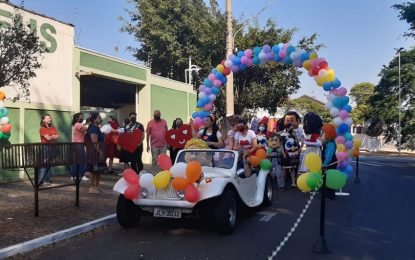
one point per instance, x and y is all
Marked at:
(399, 99)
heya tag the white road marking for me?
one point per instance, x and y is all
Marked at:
(378, 164)
(268, 215)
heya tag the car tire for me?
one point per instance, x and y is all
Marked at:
(128, 214)
(268, 192)
(226, 212)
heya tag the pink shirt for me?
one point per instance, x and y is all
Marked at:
(157, 132)
(78, 134)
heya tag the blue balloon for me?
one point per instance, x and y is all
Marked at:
(343, 128)
(348, 108)
(327, 86)
(214, 70)
(195, 114)
(5, 112)
(200, 103)
(290, 49)
(237, 61)
(207, 83)
(277, 58)
(304, 56)
(243, 66)
(340, 101)
(287, 60)
(218, 75)
(240, 54)
(336, 83)
(256, 61)
(215, 90)
(348, 170)
(224, 80)
(348, 136)
(257, 50)
(276, 49)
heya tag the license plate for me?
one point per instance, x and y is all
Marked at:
(167, 213)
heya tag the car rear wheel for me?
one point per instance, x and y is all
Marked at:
(128, 214)
(268, 192)
(226, 212)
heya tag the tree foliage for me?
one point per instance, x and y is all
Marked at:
(20, 51)
(171, 31)
(306, 105)
(360, 94)
(384, 102)
(407, 13)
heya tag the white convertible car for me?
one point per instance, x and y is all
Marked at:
(223, 190)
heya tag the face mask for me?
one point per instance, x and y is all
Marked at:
(178, 124)
(80, 120)
(241, 128)
(133, 119)
(261, 128)
(157, 117)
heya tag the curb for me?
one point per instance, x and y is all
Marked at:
(55, 237)
(392, 153)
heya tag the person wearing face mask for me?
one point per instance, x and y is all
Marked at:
(263, 134)
(156, 131)
(177, 123)
(245, 142)
(94, 140)
(135, 159)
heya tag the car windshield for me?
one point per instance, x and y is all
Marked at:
(218, 159)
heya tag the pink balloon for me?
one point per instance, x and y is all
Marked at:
(217, 83)
(314, 63)
(197, 123)
(208, 107)
(211, 77)
(191, 194)
(164, 162)
(341, 156)
(282, 53)
(340, 139)
(130, 176)
(248, 53)
(342, 91)
(343, 114)
(244, 60)
(333, 91)
(249, 63)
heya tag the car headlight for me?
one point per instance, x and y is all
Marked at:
(144, 192)
(180, 194)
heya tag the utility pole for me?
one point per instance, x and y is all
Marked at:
(229, 50)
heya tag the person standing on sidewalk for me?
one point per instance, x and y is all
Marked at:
(110, 146)
(135, 159)
(48, 135)
(156, 130)
(78, 136)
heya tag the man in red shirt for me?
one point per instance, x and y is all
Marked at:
(48, 135)
(156, 130)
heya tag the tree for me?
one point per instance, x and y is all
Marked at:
(384, 101)
(306, 105)
(20, 51)
(171, 31)
(407, 13)
(360, 94)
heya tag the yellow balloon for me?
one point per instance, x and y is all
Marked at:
(307, 64)
(357, 143)
(313, 55)
(313, 162)
(302, 182)
(320, 81)
(198, 109)
(162, 179)
(330, 75)
(341, 148)
(220, 68)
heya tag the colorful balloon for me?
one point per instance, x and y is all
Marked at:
(191, 194)
(302, 182)
(130, 176)
(162, 179)
(179, 183)
(193, 171)
(164, 162)
(313, 162)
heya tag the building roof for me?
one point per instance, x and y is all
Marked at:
(35, 13)
(311, 98)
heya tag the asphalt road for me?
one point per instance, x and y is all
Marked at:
(377, 221)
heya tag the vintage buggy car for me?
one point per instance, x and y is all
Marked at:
(223, 189)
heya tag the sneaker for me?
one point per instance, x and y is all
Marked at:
(293, 185)
(84, 178)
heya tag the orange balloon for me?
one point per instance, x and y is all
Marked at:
(193, 171)
(254, 161)
(179, 183)
(356, 153)
(2, 95)
(261, 154)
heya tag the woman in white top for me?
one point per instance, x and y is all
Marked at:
(245, 142)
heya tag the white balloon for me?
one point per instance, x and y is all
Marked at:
(348, 121)
(178, 169)
(328, 105)
(202, 94)
(228, 63)
(337, 121)
(146, 180)
(106, 129)
(322, 73)
(334, 111)
(330, 97)
(4, 120)
(1, 104)
(212, 97)
(262, 56)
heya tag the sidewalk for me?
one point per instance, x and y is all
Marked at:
(57, 209)
(389, 152)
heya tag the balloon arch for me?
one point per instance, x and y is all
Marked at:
(324, 76)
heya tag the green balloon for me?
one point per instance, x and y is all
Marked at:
(7, 136)
(313, 179)
(265, 164)
(335, 179)
(1, 135)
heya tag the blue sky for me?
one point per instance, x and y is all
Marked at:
(359, 35)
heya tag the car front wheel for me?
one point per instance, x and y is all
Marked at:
(128, 214)
(226, 212)
(268, 192)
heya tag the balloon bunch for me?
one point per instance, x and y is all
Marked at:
(260, 159)
(313, 180)
(132, 191)
(5, 126)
